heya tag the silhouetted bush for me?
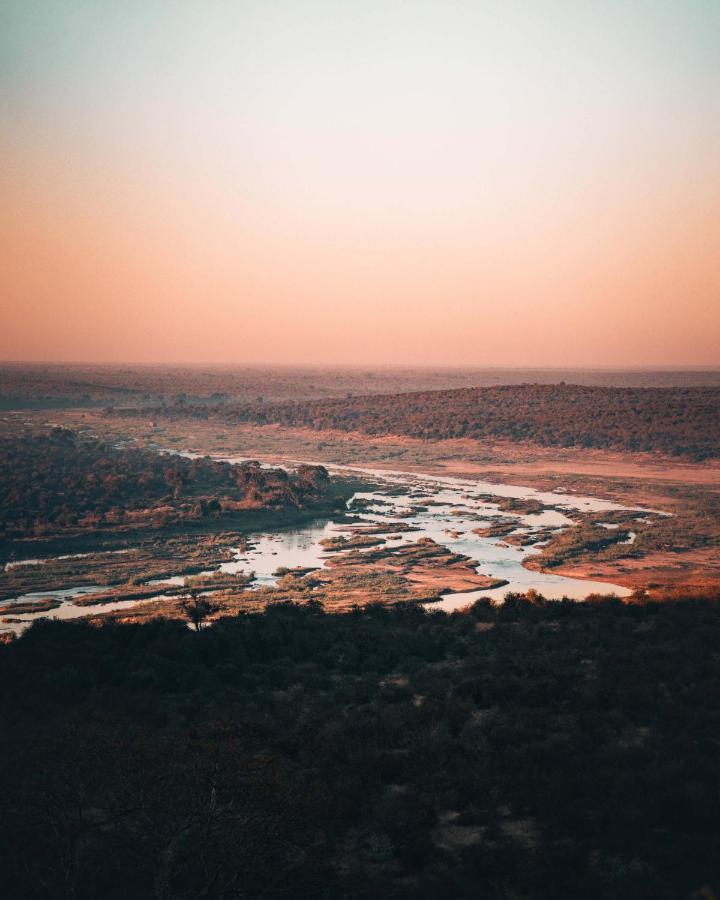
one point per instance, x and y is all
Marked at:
(542, 749)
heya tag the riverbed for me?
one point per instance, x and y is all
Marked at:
(445, 509)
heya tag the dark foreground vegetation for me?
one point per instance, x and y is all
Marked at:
(58, 483)
(549, 750)
(678, 421)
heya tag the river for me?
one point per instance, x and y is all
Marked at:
(445, 509)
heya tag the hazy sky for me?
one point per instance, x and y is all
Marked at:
(486, 183)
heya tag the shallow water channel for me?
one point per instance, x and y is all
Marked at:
(442, 508)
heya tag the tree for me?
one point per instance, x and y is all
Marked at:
(176, 479)
(197, 609)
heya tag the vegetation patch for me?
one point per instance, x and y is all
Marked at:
(534, 750)
(676, 421)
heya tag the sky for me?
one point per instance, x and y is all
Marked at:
(349, 181)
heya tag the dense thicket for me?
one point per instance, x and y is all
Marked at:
(534, 750)
(58, 480)
(672, 420)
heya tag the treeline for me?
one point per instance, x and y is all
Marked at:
(678, 421)
(535, 750)
(57, 480)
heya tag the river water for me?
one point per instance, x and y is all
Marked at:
(442, 508)
(446, 510)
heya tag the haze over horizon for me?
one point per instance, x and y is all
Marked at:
(214, 365)
(465, 183)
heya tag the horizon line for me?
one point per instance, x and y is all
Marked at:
(682, 367)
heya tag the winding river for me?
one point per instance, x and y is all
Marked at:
(445, 509)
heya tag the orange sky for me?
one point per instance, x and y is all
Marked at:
(443, 183)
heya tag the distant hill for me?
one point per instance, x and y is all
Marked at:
(54, 385)
(677, 421)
